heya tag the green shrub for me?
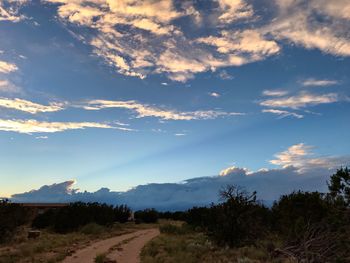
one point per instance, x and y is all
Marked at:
(175, 229)
(76, 215)
(146, 216)
(92, 229)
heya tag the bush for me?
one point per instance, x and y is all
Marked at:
(295, 212)
(11, 217)
(76, 215)
(175, 229)
(240, 220)
(92, 229)
(146, 216)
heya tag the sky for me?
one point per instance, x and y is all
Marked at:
(120, 94)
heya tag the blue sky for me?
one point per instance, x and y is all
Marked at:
(123, 93)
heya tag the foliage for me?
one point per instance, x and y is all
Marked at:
(11, 217)
(76, 215)
(146, 216)
(339, 186)
(195, 247)
(175, 229)
(295, 212)
(240, 220)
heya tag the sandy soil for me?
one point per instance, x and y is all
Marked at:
(124, 248)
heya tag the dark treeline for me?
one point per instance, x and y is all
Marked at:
(312, 227)
(76, 215)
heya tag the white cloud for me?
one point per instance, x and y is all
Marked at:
(30, 107)
(9, 10)
(144, 110)
(233, 170)
(34, 126)
(180, 134)
(142, 37)
(8, 87)
(297, 22)
(319, 82)
(41, 137)
(233, 10)
(283, 113)
(302, 100)
(7, 67)
(301, 157)
(215, 94)
(139, 38)
(247, 41)
(275, 93)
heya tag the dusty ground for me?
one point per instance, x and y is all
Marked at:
(124, 248)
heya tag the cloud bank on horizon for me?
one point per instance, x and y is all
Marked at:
(298, 170)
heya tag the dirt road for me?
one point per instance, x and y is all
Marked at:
(124, 248)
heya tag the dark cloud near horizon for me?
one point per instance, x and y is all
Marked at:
(269, 184)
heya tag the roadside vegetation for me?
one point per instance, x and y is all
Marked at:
(62, 230)
(299, 227)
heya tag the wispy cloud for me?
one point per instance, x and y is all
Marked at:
(180, 134)
(301, 100)
(7, 67)
(223, 74)
(297, 22)
(275, 93)
(34, 126)
(234, 10)
(283, 113)
(144, 110)
(319, 82)
(9, 10)
(8, 87)
(30, 107)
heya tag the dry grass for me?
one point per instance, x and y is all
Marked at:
(52, 247)
(185, 246)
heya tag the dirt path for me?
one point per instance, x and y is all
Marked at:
(124, 248)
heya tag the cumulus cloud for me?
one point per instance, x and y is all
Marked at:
(144, 110)
(35, 126)
(283, 113)
(269, 184)
(28, 106)
(301, 100)
(7, 67)
(301, 157)
(319, 82)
